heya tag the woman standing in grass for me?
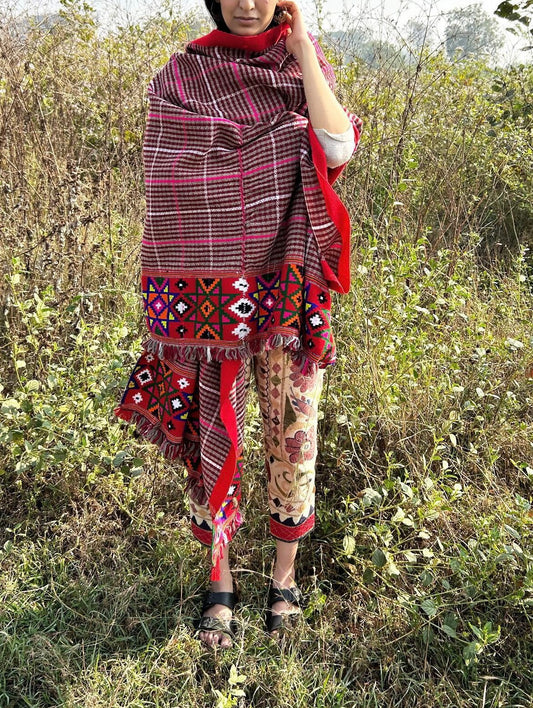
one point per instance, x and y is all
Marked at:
(244, 239)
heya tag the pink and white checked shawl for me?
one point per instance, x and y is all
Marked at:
(243, 239)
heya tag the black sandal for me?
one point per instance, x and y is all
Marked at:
(215, 624)
(277, 621)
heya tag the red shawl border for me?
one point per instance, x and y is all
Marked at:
(337, 211)
(254, 43)
(340, 283)
(229, 370)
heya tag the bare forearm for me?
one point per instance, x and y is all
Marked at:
(324, 109)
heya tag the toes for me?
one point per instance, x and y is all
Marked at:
(211, 634)
(210, 638)
(213, 639)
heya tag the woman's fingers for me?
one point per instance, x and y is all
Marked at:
(290, 8)
(295, 19)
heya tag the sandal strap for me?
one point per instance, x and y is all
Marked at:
(215, 625)
(228, 599)
(292, 595)
(274, 623)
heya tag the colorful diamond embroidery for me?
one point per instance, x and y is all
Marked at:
(236, 309)
(243, 308)
(157, 302)
(266, 297)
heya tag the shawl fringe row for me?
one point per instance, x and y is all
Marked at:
(220, 352)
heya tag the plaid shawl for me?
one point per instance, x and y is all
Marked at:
(244, 237)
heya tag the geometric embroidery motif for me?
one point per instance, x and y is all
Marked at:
(243, 308)
(157, 301)
(292, 285)
(266, 297)
(144, 377)
(176, 403)
(317, 319)
(210, 313)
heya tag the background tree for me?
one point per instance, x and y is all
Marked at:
(419, 33)
(472, 31)
(361, 45)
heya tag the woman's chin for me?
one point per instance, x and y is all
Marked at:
(247, 29)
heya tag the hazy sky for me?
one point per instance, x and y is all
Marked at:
(386, 16)
(336, 10)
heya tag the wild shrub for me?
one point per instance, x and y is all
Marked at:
(446, 152)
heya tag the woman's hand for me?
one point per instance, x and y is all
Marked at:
(298, 39)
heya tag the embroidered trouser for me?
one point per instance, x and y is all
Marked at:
(288, 402)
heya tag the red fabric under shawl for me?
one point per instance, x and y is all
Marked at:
(244, 237)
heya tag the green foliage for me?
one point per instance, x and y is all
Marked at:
(231, 698)
(54, 423)
(521, 12)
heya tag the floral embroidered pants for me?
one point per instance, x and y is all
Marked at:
(288, 402)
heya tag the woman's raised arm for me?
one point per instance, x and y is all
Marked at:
(324, 110)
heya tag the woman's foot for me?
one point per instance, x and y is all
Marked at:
(283, 579)
(284, 607)
(223, 613)
(283, 604)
